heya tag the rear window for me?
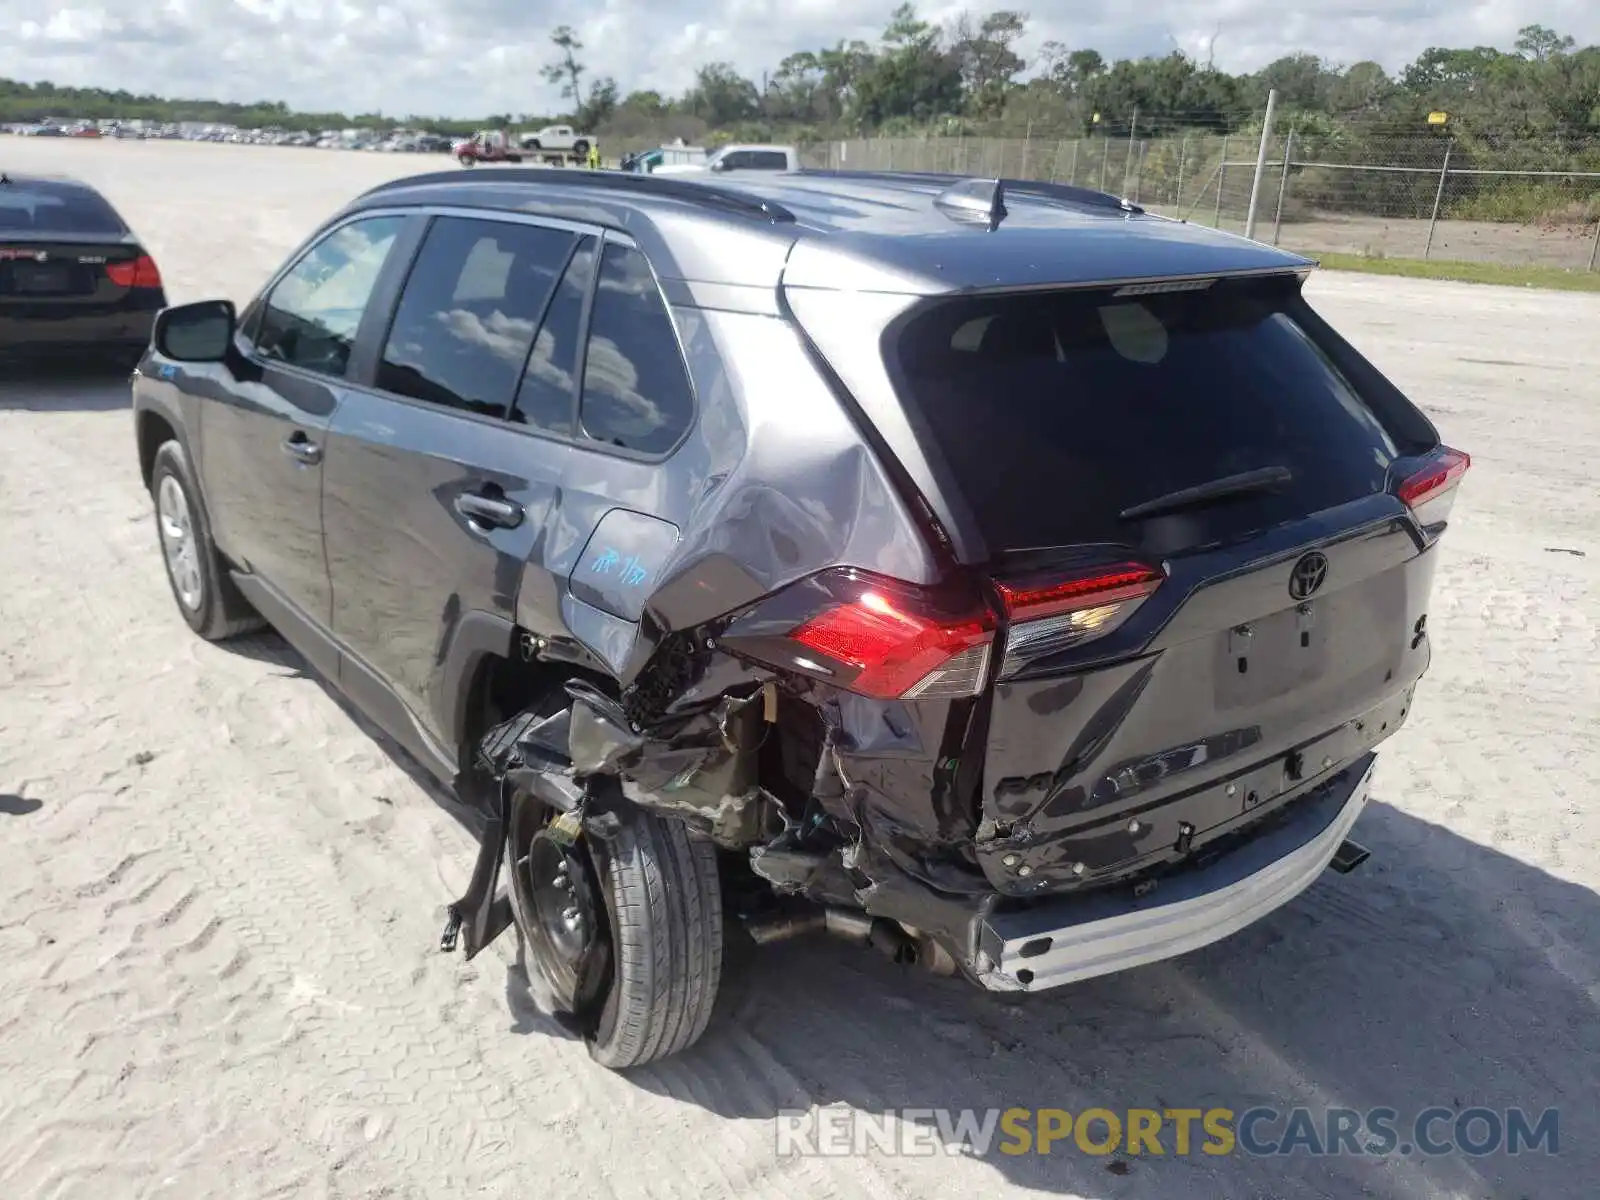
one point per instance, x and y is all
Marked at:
(41, 208)
(1057, 412)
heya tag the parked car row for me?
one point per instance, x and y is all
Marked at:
(407, 141)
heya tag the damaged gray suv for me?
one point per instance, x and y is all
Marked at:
(988, 571)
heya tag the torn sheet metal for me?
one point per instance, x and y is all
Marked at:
(893, 771)
(701, 768)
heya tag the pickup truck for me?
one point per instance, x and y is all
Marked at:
(738, 158)
(487, 145)
(558, 139)
(647, 162)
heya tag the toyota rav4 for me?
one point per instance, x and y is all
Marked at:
(988, 571)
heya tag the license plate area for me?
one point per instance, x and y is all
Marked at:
(1273, 655)
(1311, 647)
(45, 279)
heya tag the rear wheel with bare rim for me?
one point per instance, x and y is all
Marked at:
(207, 599)
(626, 932)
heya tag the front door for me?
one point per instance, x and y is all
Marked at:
(264, 440)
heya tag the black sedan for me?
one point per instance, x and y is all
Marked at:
(73, 277)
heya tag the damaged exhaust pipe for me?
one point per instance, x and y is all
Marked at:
(909, 947)
(841, 922)
(1349, 856)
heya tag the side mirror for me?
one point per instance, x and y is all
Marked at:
(199, 332)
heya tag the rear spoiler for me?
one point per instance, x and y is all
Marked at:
(1150, 285)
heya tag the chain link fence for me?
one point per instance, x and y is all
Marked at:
(1402, 197)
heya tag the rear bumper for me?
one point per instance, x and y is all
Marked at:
(49, 333)
(1081, 937)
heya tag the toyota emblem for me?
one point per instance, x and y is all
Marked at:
(1308, 575)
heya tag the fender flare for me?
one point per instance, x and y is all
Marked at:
(477, 636)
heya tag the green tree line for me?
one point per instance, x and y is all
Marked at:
(1533, 106)
(969, 78)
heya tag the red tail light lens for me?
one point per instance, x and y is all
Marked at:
(898, 651)
(1051, 615)
(890, 640)
(1430, 492)
(1032, 600)
(139, 273)
(1443, 471)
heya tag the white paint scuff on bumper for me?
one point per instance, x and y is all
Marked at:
(1099, 934)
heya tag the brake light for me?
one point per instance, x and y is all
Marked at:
(1430, 491)
(898, 651)
(138, 273)
(1051, 615)
(1445, 471)
(891, 640)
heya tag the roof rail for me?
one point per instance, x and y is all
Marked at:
(688, 190)
(1064, 192)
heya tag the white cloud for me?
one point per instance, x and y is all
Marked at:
(470, 57)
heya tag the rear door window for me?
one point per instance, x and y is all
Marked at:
(1058, 412)
(311, 317)
(467, 315)
(547, 398)
(636, 392)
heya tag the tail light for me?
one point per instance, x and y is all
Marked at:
(895, 641)
(1430, 491)
(138, 273)
(1053, 614)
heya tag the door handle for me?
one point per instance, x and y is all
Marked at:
(489, 510)
(302, 449)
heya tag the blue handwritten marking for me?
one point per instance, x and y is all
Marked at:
(629, 570)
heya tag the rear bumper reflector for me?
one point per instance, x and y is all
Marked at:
(1080, 937)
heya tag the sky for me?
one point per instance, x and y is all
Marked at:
(475, 57)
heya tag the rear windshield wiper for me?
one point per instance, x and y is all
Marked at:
(1263, 479)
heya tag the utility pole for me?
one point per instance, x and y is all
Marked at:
(1261, 164)
(1438, 197)
(1133, 127)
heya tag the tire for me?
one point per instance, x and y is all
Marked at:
(663, 903)
(207, 599)
(466, 160)
(580, 149)
(533, 145)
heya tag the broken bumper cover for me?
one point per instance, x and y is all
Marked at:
(1062, 941)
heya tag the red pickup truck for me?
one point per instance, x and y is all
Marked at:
(487, 145)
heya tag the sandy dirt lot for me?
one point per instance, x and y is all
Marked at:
(220, 894)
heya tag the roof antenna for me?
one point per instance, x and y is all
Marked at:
(975, 200)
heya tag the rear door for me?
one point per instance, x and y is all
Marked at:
(432, 499)
(264, 433)
(1187, 502)
(505, 464)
